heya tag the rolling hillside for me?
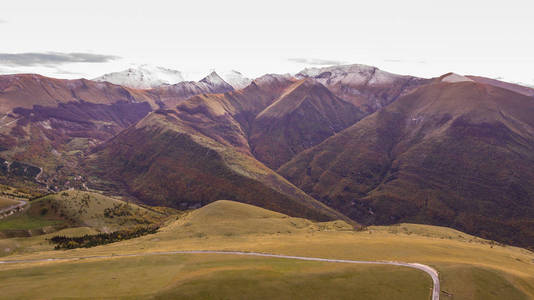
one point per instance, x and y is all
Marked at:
(469, 267)
(78, 209)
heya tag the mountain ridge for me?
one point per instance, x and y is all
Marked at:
(433, 156)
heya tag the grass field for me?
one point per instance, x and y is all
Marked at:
(212, 277)
(22, 245)
(25, 222)
(469, 267)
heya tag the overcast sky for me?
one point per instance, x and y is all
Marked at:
(72, 39)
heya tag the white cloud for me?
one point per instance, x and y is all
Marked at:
(316, 61)
(52, 58)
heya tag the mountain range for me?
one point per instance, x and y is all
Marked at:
(149, 76)
(344, 142)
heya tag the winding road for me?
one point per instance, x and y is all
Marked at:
(427, 269)
(13, 207)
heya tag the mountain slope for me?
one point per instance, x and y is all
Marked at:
(454, 154)
(28, 90)
(49, 123)
(143, 77)
(527, 91)
(273, 119)
(369, 88)
(305, 115)
(163, 161)
(199, 153)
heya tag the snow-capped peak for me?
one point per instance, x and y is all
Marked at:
(214, 80)
(235, 79)
(143, 77)
(350, 74)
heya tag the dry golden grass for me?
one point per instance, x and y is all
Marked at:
(469, 267)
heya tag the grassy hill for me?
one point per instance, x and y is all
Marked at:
(469, 267)
(229, 218)
(95, 210)
(79, 209)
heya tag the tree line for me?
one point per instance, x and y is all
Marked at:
(92, 240)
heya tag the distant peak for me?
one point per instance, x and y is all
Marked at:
(453, 77)
(235, 78)
(212, 78)
(143, 76)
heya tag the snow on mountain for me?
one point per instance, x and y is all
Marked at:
(453, 77)
(367, 87)
(174, 94)
(146, 77)
(213, 79)
(235, 79)
(353, 74)
(143, 77)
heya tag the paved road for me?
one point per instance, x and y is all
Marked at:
(430, 271)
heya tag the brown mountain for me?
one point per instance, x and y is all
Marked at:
(369, 88)
(51, 123)
(164, 161)
(48, 123)
(200, 152)
(456, 154)
(527, 91)
(28, 90)
(303, 116)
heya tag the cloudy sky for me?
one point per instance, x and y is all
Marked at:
(72, 39)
